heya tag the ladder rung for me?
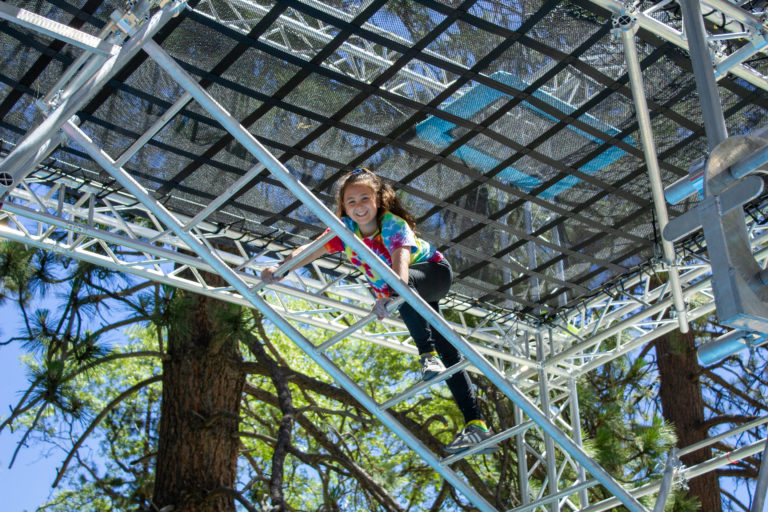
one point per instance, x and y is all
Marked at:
(413, 390)
(356, 326)
(491, 441)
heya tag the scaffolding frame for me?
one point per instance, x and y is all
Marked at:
(536, 369)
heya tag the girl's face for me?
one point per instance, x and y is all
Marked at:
(360, 205)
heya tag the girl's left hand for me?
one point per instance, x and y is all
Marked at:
(380, 308)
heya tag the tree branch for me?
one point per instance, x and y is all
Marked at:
(111, 405)
(285, 402)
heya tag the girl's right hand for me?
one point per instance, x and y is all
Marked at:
(268, 275)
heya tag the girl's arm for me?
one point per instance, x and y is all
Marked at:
(267, 274)
(401, 261)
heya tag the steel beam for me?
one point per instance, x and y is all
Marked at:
(626, 26)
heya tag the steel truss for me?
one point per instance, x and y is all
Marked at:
(535, 366)
(751, 29)
(302, 34)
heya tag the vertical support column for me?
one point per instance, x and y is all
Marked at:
(576, 430)
(626, 27)
(522, 458)
(758, 505)
(530, 248)
(549, 444)
(703, 71)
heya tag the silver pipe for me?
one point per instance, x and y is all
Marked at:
(666, 482)
(706, 85)
(329, 219)
(758, 503)
(576, 432)
(549, 445)
(154, 129)
(522, 458)
(626, 29)
(712, 440)
(77, 64)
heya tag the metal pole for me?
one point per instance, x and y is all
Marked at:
(152, 131)
(758, 504)
(626, 26)
(328, 218)
(549, 445)
(522, 458)
(666, 481)
(706, 85)
(576, 431)
(223, 270)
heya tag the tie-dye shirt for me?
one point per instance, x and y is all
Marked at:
(394, 233)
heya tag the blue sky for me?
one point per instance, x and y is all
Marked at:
(28, 484)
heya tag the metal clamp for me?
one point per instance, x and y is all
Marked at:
(741, 295)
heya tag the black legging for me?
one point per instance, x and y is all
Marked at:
(432, 281)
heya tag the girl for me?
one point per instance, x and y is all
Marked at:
(370, 209)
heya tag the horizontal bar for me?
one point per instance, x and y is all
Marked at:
(491, 441)
(417, 388)
(56, 30)
(712, 440)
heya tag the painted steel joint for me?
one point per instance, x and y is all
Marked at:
(741, 294)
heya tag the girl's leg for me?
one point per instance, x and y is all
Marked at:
(461, 387)
(432, 282)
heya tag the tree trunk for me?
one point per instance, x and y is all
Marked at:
(683, 406)
(203, 383)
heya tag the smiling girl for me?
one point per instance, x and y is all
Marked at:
(369, 208)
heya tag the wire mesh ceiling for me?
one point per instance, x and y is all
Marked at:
(508, 126)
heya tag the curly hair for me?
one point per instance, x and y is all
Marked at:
(385, 195)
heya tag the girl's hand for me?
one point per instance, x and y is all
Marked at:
(380, 308)
(268, 275)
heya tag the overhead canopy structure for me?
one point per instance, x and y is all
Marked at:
(509, 126)
(511, 129)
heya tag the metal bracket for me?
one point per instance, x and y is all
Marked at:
(741, 296)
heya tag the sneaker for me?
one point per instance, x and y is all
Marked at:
(469, 437)
(431, 366)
